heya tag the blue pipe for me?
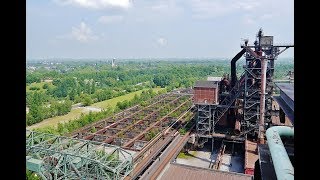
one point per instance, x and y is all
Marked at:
(281, 162)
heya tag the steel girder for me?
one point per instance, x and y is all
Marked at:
(59, 157)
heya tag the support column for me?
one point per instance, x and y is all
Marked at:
(262, 99)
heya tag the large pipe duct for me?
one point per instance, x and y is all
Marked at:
(233, 67)
(279, 155)
(262, 98)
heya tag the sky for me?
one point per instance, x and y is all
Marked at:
(153, 28)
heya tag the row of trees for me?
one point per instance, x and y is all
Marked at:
(145, 95)
(83, 120)
(41, 106)
(90, 82)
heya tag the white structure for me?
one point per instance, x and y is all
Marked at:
(113, 63)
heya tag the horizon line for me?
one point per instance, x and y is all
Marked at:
(107, 58)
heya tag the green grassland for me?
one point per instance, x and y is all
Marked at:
(113, 102)
(75, 113)
(38, 85)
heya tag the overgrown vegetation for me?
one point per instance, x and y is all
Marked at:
(72, 125)
(151, 134)
(32, 176)
(186, 155)
(53, 87)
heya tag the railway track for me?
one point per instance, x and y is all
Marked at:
(169, 155)
(160, 144)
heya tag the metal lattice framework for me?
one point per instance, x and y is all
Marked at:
(247, 89)
(59, 157)
(130, 131)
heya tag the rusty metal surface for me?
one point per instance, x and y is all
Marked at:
(262, 99)
(128, 128)
(237, 126)
(205, 95)
(185, 172)
(285, 107)
(275, 119)
(152, 153)
(171, 154)
(251, 154)
(151, 127)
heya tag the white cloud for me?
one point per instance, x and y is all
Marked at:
(204, 9)
(162, 41)
(247, 4)
(110, 19)
(97, 4)
(266, 16)
(248, 20)
(158, 10)
(83, 34)
(167, 7)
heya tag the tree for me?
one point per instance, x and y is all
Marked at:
(87, 101)
(34, 88)
(93, 88)
(45, 86)
(72, 94)
(123, 105)
(162, 80)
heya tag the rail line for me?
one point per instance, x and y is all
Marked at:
(161, 142)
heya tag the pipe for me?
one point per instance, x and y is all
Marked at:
(262, 99)
(233, 67)
(280, 158)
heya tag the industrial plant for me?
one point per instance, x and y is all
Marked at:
(238, 126)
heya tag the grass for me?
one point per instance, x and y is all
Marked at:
(75, 113)
(183, 155)
(113, 102)
(39, 85)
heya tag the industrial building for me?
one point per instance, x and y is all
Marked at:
(241, 112)
(233, 127)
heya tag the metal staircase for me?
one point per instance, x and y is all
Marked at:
(204, 120)
(227, 102)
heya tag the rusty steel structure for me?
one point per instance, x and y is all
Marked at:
(126, 139)
(59, 157)
(126, 145)
(135, 127)
(245, 103)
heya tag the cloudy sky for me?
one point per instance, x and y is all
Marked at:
(152, 28)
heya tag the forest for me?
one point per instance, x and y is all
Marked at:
(53, 87)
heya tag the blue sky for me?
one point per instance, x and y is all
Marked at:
(152, 28)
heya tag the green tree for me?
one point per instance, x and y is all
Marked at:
(87, 101)
(45, 86)
(93, 88)
(72, 94)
